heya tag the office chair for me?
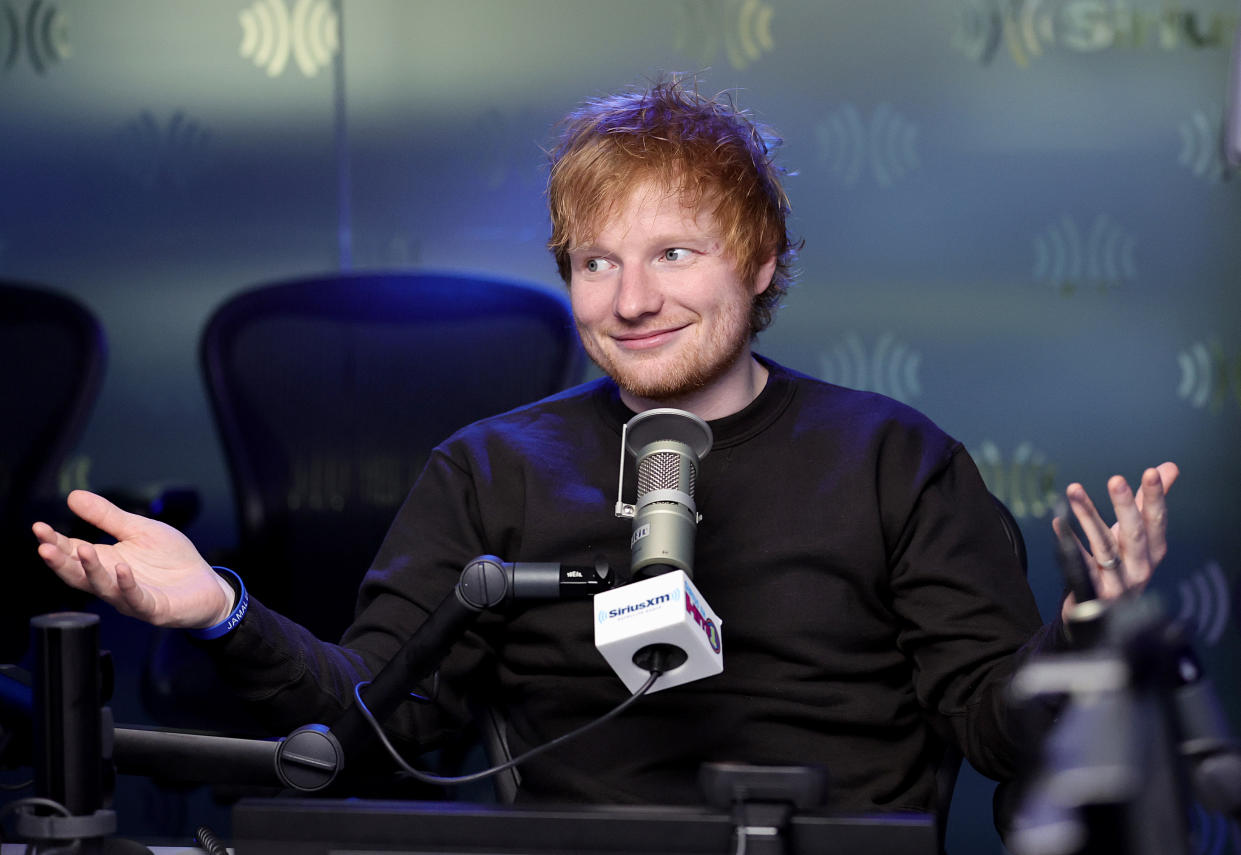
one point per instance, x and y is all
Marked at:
(52, 358)
(329, 393)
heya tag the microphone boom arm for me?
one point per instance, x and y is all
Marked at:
(313, 756)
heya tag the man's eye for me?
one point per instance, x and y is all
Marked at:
(594, 265)
(676, 254)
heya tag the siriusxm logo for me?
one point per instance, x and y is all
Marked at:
(633, 608)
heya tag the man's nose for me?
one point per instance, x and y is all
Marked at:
(638, 294)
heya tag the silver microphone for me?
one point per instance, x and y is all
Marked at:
(668, 445)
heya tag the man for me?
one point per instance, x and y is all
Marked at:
(850, 546)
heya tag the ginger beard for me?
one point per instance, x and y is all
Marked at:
(695, 364)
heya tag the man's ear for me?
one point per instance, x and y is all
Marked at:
(762, 278)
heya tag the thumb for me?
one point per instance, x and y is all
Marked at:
(102, 514)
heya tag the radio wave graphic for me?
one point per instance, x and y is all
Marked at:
(1026, 483)
(750, 36)
(1202, 147)
(1030, 26)
(980, 26)
(44, 31)
(1210, 832)
(1066, 260)
(1206, 603)
(176, 154)
(1025, 27)
(743, 27)
(891, 368)
(1207, 375)
(310, 34)
(887, 144)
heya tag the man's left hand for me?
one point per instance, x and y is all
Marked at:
(1122, 557)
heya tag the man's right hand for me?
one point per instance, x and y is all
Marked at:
(152, 572)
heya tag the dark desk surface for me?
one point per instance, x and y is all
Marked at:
(299, 826)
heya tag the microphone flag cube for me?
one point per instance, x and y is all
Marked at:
(664, 609)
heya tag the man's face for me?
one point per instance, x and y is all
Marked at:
(659, 304)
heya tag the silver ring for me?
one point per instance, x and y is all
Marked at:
(1110, 564)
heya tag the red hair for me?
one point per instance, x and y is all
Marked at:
(707, 149)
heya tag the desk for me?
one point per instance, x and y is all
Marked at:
(334, 826)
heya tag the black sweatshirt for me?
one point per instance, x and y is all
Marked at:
(849, 546)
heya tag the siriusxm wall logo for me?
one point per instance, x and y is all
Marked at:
(1071, 258)
(42, 29)
(1026, 482)
(1209, 375)
(630, 609)
(1201, 152)
(174, 153)
(1210, 832)
(695, 610)
(885, 145)
(1031, 28)
(271, 34)
(890, 367)
(741, 27)
(1206, 598)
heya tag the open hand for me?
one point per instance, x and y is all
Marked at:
(152, 572)
(1123, 556)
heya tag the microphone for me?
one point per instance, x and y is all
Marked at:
(661, 621)
(487, 581)
(668, 445)
(1085, 620)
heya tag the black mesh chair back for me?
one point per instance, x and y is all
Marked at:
(330, 393)
(52, 357)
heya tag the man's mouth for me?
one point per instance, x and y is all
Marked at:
(646, 339)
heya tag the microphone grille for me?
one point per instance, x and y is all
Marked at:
(662, 470)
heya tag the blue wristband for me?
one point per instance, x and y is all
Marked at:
(239, 611)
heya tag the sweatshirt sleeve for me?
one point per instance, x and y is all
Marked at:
(968, 618)
(289, 677)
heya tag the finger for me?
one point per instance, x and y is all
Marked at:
(63, 563)
(102, 514)
(1130, 533)
(99, 579)
(1153, 507)
(44, 533)
(137, 601)
(1168, 473)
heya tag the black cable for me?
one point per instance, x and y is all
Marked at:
(427, 778)
(206, 840)
(34, 801)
